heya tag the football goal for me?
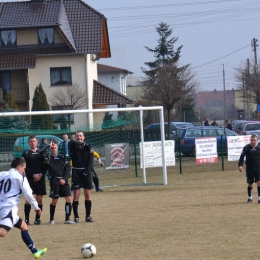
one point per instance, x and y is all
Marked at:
(132, 154)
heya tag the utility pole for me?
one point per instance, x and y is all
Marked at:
(224, 87)
(254, 45)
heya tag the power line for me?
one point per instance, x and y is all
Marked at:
(166, 5)
(222, 57)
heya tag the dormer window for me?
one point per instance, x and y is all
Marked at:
(45, 36)
(8, 37)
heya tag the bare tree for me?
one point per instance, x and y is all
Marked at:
(170, 86)
(248, 79)
(69, 98)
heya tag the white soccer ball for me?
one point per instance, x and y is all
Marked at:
(88, 250)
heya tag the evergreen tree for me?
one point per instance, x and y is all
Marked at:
(40, 104)
(107, 121)
(164, 53)
(9, 101)
(166, 83)
(13, 122)
(63, 122)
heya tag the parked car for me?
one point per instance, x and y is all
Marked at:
(235, 124)
(190, 134)
(248, 127)
(21, 143)
(153, 130)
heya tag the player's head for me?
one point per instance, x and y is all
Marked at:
(254, 140)
(65, 137)
(32, 141)
(19, 164)
(54, 148)
(79, 136)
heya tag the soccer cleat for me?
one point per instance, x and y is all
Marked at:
(89, 219)
(250, 200)
(76, 220)
(39, 253)
(27, 222)
(69, 222)
(258, 201)
(51, 222)
(99, 190)
(37, 222)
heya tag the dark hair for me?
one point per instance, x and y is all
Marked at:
(17, 162)
(31, 137)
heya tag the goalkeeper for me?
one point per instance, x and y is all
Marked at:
(94, 174)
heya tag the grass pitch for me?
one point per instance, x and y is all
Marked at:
(198, 215)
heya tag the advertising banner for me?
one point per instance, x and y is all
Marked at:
(235, 145)
(117, 156)
(153, 154)
(206, 150)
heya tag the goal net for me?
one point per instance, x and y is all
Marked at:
(118, 135)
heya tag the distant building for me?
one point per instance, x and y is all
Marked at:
(113, 77)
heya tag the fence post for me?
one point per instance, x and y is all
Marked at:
(136, 172)
(179, 144)
(222, 156)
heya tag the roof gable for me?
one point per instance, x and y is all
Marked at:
(105, 95)
(83, 27)
(29, 14)
(110, 69)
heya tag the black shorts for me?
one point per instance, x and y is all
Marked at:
(38, 187)
(80, 178)
(252, 174)
(58, 190)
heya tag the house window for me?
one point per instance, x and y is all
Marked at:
(5, 82)
(58, 118)
(61, 76)
(8, 37)
(45, 36)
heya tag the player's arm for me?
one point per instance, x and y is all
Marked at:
(27, 191)
(28, 172)
(98, 158)
(66, 171)
(241, 159)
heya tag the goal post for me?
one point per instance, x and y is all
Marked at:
(101, 127)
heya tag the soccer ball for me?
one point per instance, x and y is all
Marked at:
(88, 250)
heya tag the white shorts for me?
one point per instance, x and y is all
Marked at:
(9, 216)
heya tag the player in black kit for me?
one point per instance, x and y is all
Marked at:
(252, 153)
(35, 173)
(82, 160)
(59, 171)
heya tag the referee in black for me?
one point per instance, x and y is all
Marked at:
(35, 173)
(81, 155)
(59, 170)
(252, 153)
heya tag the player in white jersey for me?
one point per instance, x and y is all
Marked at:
(12, 184)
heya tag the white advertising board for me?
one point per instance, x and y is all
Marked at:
(206, 150)
(153, 154)
(235, 145)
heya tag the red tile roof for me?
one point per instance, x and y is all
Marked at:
(105, 95)
(25, 57)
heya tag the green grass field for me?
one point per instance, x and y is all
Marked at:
(200, 214)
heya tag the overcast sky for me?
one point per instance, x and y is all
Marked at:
(213, 33)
